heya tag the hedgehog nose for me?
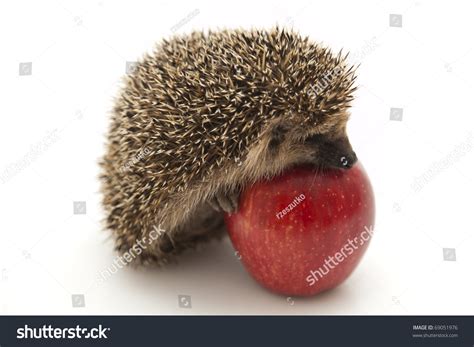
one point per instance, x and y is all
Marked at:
(348, 160)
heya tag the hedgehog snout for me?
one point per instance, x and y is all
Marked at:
(342, 154)
(337, 153)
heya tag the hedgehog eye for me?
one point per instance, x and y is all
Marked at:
(277, 136)
(315, 138)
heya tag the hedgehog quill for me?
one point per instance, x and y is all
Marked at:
(217, 111)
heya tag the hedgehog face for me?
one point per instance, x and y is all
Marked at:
(330, 149)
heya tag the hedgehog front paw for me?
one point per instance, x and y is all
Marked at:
(227, 202)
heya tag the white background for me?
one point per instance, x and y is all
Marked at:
(79, 51)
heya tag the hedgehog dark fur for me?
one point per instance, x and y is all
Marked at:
(207, 114)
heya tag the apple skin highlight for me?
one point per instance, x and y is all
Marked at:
(304, 231)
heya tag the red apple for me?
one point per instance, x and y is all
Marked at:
(305, 231)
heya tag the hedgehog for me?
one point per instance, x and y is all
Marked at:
(207, 114)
